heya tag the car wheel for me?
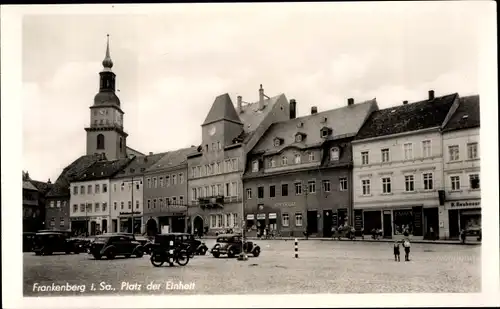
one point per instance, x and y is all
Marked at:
(157, 259)
(256, 252)
(216, 255)
(97, 256)
(182, 258)
(139, 253)
(110, 255)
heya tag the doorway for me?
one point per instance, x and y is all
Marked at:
(104, 226)
(178, 224)
(431, 223)
(151, 227)
(387, 224)
(93, 228)
(327, 223)
(312, 222)
(453, 222)
(114, 225)
(198, 226)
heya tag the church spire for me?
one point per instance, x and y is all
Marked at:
(107, 63)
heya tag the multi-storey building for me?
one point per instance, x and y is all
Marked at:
(215, 169)
(127, 187)
(90, 199)
(398, 166)
(165, 193)
(462, 190)
(34, 203)
(298, 176)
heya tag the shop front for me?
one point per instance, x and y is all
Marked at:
(464, 214)
(79, 225)
(257, 223)
(125, 222)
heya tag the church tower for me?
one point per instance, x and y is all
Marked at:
(105, 135)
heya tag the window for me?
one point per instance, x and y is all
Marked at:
(58, 204)
(199, 193)
(75, 207)
(154, 203)
(234, 189)
(272, 163)
(454, 153)
(428, 181)
(297, 159)
(174, 180)
(114, 187)
(155, 182)
(97, 206)
(217, 168)
(235, 164)
(100, 141)
(365, 184)
(214, 147)
(298, 138)
(219, 146)
(409, 183)
(277, 142)
(89, 207)
(343, 183)
(129, 204)
(75, 190)
(161, 182)
(311, 157)
(122, 205)
(52, 221)
(285, 220)
(198, 172)
(219, 220)
(82, 207)
(298, 219)
(137, 204)
(386, 185)
(219, 190)
(408, 151)
(298, 188)
(455, 183)
(260, 192)
(174, 200)
(167, 201)
(272, 191)
(97, 189)
(209, 169)
(82, 189)
(474, 181)
(193, 172)
(228, 220)
(284, 189)
(193, 194)
(167, 180)
(364, 157)
(472, 151)
(249, 193)
(114, 205)
(426, 149)
(149, 182)
(326, 186)
(181, 200)
(61, 221)
(334, 154)
(212, 221)
(89, 189)
(324, 133)
(51, 204)
(284, 160)
(104, 188)
(255, 166)
(385, 155)
(212, 190)
(311, 186)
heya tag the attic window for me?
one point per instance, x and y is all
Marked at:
(277, 142)
(132, 170)
(300, 124)
(255, 166)
(325, 132)
(324, 119)
(298, 138)
(465, 116)
(334, 154)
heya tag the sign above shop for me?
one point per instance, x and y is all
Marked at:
(285, 204)
(272, 216)
(466, 204)
(261, 216)
(122, 213)
(250, 217)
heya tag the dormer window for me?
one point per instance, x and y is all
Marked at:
(284, 161)
(297, 158)
(325, 132)
(277, 142)
(300, 124)
(334, 154)
(299, 137)
(324, 120)
(255, 166)
(272, 163)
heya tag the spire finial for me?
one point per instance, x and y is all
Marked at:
(107, 62)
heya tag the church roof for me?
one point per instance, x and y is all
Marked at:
(222, 109)
(172, 159)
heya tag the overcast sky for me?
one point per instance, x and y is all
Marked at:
(171, 65)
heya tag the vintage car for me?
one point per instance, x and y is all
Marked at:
(231, 245)
(187, 241)
(28, 241)
(112, 245)
(47, 243)
(168, 248)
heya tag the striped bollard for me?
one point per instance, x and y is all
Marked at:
(296, 248)
(171, 250)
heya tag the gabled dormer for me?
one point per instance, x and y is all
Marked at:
(277, 141)
(300, 137)
(325, 132)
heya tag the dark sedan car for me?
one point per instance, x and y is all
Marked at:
(232, 244)
(47, 243)
(112, 245)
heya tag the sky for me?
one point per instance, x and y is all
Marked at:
(172, 63)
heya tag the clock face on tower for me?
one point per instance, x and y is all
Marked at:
(211, 130)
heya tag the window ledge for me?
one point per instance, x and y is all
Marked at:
(472, 159)
(387, 193)
(365, 195)
(455, 161)
(455, 191)
(410, 192)
(427, 191)
(475, 190)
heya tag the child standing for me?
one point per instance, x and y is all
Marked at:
(396, 252)
(406, 245)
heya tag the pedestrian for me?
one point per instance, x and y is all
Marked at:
(363, 233)
(462, 236)
(406, 245)
(396, 252)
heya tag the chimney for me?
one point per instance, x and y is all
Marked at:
(49, 182)
(261, 97)
(431, 95)
(314, 110)
(293, 109)
(150, 153)
(240, 104)
(350, 101)
(405, 102)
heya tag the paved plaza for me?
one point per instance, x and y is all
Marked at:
(322, 267)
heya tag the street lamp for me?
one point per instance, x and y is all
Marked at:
(132, 188)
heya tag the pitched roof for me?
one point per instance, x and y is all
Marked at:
(131, 150)
(61, 185)
(28, 186)
(251, 116)
(43, 187)
(466, 116)
(222, 108)
(172, 159)
(139, 165)
(102, 170)
(407, 117)
(344, 121)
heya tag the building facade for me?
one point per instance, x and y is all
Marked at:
(215, 169)
(298, 176)
(34, 203)
(462, 172)
(127, 195)
(398, 168)
(165, 193)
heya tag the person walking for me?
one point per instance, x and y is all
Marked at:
(397, 257)
(462, 236)
(406, 245)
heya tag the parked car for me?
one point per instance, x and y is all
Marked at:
(112, 245)
(28, 241)
(168, 248)
(47, 243)
(231, 245)
(186, 240)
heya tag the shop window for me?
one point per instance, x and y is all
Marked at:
(403, 221)
(474, 181)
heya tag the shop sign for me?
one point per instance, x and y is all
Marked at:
(79, 218)
(261, 216)
(467, 204)
(250, 217)
(272, 216)
(285, 204)
(124, 213)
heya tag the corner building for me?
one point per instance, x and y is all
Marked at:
(298, 176)
(215, 169)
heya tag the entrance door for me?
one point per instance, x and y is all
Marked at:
(114, 225)
(178, 224)
(453, 222)
(151, 228)
(431, 223)
(104, 226)
(198, 225)
(327, 223)
(312, 221)
(92, 228)
(387, 225)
